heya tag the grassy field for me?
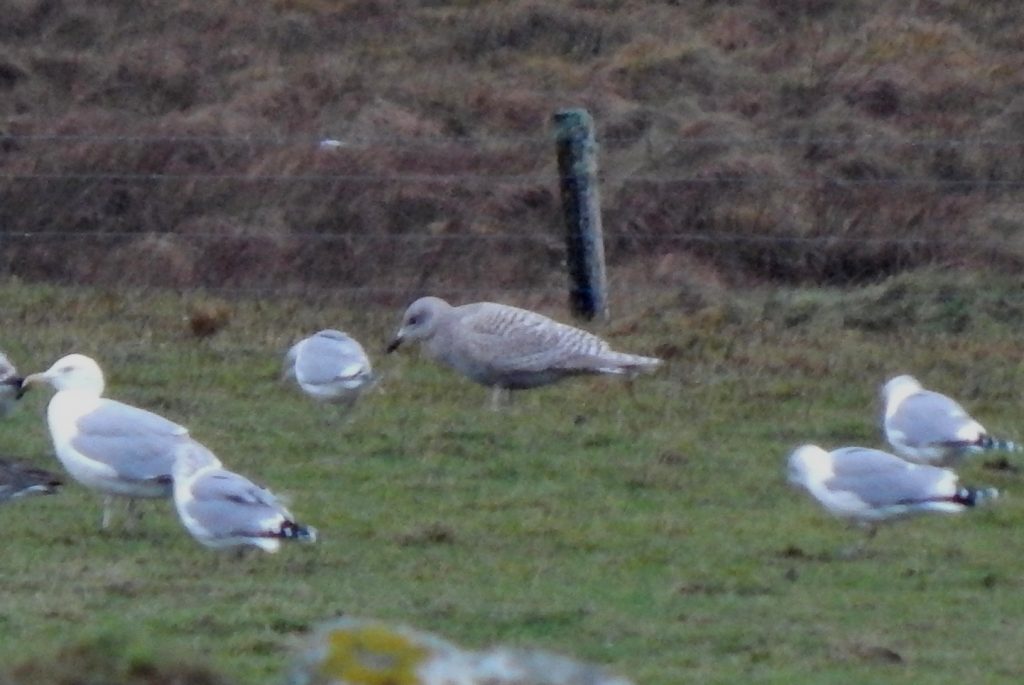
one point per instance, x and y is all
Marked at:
(650, 531)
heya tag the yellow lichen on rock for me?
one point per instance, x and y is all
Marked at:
(350, 651)
(371, 654)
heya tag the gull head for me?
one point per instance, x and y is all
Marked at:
(808, 463)
(190, 458)
(899, 388)
(10, 385)
(73, 372)
(419, 321)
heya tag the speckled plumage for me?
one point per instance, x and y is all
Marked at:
(506, 347)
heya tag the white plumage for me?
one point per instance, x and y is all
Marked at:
(222, 509)
(330, 366)
(869, 486)
(107, 446)
(930, 428)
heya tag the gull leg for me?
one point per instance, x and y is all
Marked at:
(326, 419)
(857, 549)
(852, 551)
(108, 502)
(631, 386)
(227, 560)
(496, 398)
(343, 416)
(240, 557)
(134, 514)
(220, 560)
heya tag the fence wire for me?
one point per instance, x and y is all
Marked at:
(388, 217)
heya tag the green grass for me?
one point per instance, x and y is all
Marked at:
(652, 532)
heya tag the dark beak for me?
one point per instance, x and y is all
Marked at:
(393, 345)
(18, 383)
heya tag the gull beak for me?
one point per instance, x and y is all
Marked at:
(393, 345)
(34, 379)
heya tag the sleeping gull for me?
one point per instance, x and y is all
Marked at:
(222, 509)
(868, 486)
(929, 428)
(107, 446)
(330, 366)
(509, 348)
(18, 479)
(10, 385)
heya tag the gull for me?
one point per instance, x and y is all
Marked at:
(330, 366)
(930, 428)
(113, 448)
(10, 385)
(868, 486)
(222, 509)
(507, 348)
(18, 479)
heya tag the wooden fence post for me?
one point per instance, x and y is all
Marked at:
(581, 205)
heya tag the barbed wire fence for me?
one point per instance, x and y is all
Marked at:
(389, 218)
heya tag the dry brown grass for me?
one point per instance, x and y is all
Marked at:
(678, 89)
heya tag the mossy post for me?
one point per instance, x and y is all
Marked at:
(581, 205)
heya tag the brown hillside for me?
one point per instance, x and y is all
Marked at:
(177, 143)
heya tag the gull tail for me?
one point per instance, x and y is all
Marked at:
(632, 364)
(294, 531)
(988, 443)
(972, 497)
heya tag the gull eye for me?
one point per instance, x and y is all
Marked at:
(413, 320)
